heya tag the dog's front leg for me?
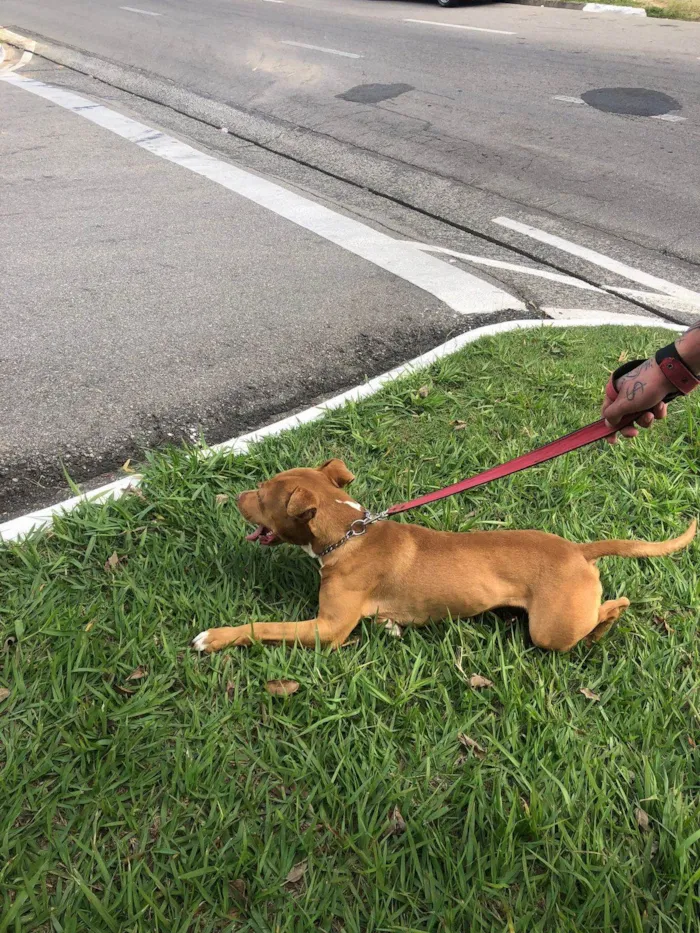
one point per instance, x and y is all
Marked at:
(337, 617)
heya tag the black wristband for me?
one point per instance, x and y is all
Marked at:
(670, 351)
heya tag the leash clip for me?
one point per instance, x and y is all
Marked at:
(356, 529)
(369, 519)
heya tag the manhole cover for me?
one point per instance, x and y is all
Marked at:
(374, 93)
(634, 101)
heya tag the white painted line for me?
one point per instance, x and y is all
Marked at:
(665, 301)
(133, 9)
(601, 317)
(513, 267)
(430, 22)
(19, 527)
(609, 8)
(273, 1)
(320, 48)
(599, 259)
(669, 117)
(458, 289)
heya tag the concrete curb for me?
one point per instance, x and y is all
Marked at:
(583, 7)
(18, 528)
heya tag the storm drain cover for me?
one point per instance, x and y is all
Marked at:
(374, 93)
(634, 101)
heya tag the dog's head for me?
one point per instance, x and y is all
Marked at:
(301, 506)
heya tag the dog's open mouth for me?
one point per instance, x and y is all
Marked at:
(263, 536)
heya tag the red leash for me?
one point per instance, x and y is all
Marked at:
(671, 365)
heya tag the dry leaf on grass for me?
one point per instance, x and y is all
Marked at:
(138, 673)
(125, 692)
(221, 498)
(350, 643)
(239, 891)
(89, 625)
(9, 643)
(281, 688)
(134, 491)
(642, 818)
(472, 745)
(297, 872)
(623, 357)
(589, 695)
(4, 693)
(230, 689)
(424, 391)
(459, 425)
(662, 623)
(397, 824)
(478, 682)
(113, 561)
(692, 742)
(127, 468)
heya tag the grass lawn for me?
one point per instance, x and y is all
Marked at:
(189, 799)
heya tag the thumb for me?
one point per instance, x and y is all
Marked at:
(617, 410)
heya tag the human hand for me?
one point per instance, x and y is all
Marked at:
(642, 391)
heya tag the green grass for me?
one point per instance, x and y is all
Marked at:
(184, 804)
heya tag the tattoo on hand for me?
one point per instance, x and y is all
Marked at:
(634, 390)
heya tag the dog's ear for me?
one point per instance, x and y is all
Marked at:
(337, 473)
(302, 504)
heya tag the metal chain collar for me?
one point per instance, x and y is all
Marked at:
(356, 529)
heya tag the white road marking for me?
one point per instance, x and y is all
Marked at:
(605, 262)
(599, 317)
(320, 48)
(133, 9)
(430, 22)
(273, 1)
(669, 117)
(511, 267)
(666, 301)
(458, 289)
(19, 527)
(609, 8)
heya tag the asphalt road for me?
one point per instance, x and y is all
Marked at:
(479, 108)
(428, 185)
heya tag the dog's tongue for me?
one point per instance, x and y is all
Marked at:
(263, 536)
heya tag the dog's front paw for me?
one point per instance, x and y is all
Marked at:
(201, 642)
(214, 639)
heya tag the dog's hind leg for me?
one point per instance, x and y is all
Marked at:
(608, 614)
(566, 608)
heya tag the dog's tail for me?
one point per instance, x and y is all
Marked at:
(597, 549)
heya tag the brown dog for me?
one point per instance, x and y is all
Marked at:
(408, 574)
